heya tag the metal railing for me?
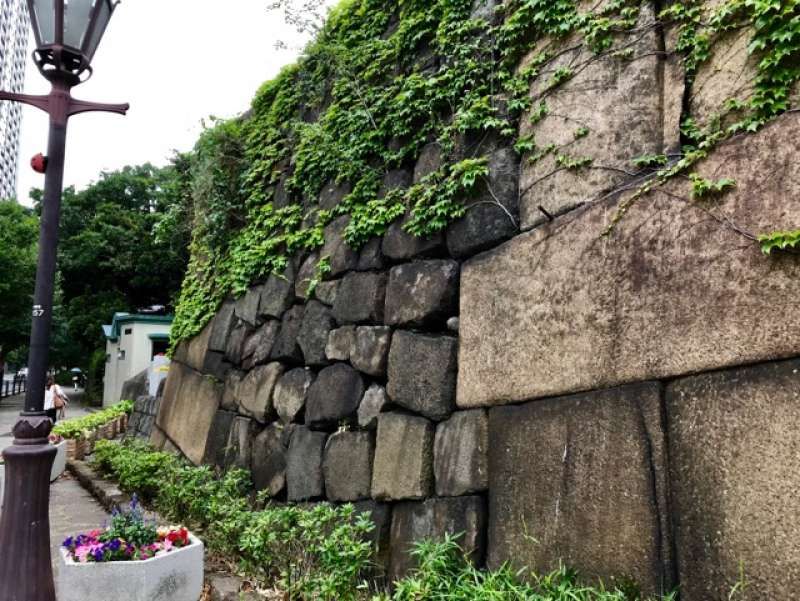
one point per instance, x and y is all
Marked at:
(12, 387)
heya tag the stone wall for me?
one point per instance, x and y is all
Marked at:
(625, 404)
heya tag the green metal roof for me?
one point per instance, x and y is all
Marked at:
(112, 331)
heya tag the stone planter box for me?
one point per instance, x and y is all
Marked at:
(60, 462)
(176, 576)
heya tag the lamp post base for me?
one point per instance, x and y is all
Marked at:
(26, 573)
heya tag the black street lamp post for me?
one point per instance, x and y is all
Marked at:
(67, 35)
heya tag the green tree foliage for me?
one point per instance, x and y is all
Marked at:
(123, 247)
(19, 231)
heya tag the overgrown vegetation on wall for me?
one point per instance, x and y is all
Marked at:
(383, 79)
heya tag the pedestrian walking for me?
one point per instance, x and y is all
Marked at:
(55, 400)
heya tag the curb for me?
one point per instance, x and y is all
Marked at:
(106, 492)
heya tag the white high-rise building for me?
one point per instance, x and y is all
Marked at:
(14, 27)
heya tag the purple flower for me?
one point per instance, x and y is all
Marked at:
(113, 545)
(98, 555)
(69, 542)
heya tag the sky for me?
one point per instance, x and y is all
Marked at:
(176, 62)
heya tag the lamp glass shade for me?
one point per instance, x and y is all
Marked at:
(103, 17)
(44, 12)
(77, 18)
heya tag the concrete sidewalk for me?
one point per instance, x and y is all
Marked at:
(9, 412)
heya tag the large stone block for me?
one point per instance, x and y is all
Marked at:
(340, 342)
(461, 454)
(432, 520)
(370, 257)
(734, 449)
(286, 347)
(581, 481)
(234, 349)
(334, 396)
(375, 401)
(403, 466)
(221, 327)
(277, 295)
(290, 394)
(255, 391)
(342, 257)
(239, 450)
(381, 516)
(326, 292)
(361, 298)
(676, 289)
(422, 293)
(187, 410)
(593, 98)
(269, 461)
(313, 336)
(493, 214)
(193, 353)
(135, 387)
(347, 466)
(258, 347)
(217, 441)
(246, 307)
(332, 194)
(306, 275)
(370, 349)
(422, 373)
(230, 394)
(304, 465)
(399, 245)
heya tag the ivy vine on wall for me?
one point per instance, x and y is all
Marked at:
(383, 79)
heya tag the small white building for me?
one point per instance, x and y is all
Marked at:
(133, 343)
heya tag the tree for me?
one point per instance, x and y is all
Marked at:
(19, 232)
(123, 247)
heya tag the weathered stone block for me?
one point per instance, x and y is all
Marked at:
(734, 451)
(403, 466)
(313, 337)
(381, 516)
(135, 387)
(221, 327)
(422, 373)
(217, 441)
(361, 298)
(230, 394)
(326, 292)
(342, 257)
(430, 159)
(255, 391)
(493, 214)
(214, 365)
(246, 307)
(374, 402)
(277, 295)
(286, 347)
(258, 347)
(371, 256)
(187, 410)
(671, 292)
(193, 353)
(290, 394)
(585, 475)
(304, 465)
(370, 349)
(460, 454)
(306, 274)
(347, 466)
(234, 349)
(399, 245)
(432, 520)
(269, 461)
(422, 293)
(334, 396)
(239, 450)
(340, 342)
(394, 180)
(332, 194)
(592, 99)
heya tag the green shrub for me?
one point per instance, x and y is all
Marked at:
(445, 574)
(77, 427)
